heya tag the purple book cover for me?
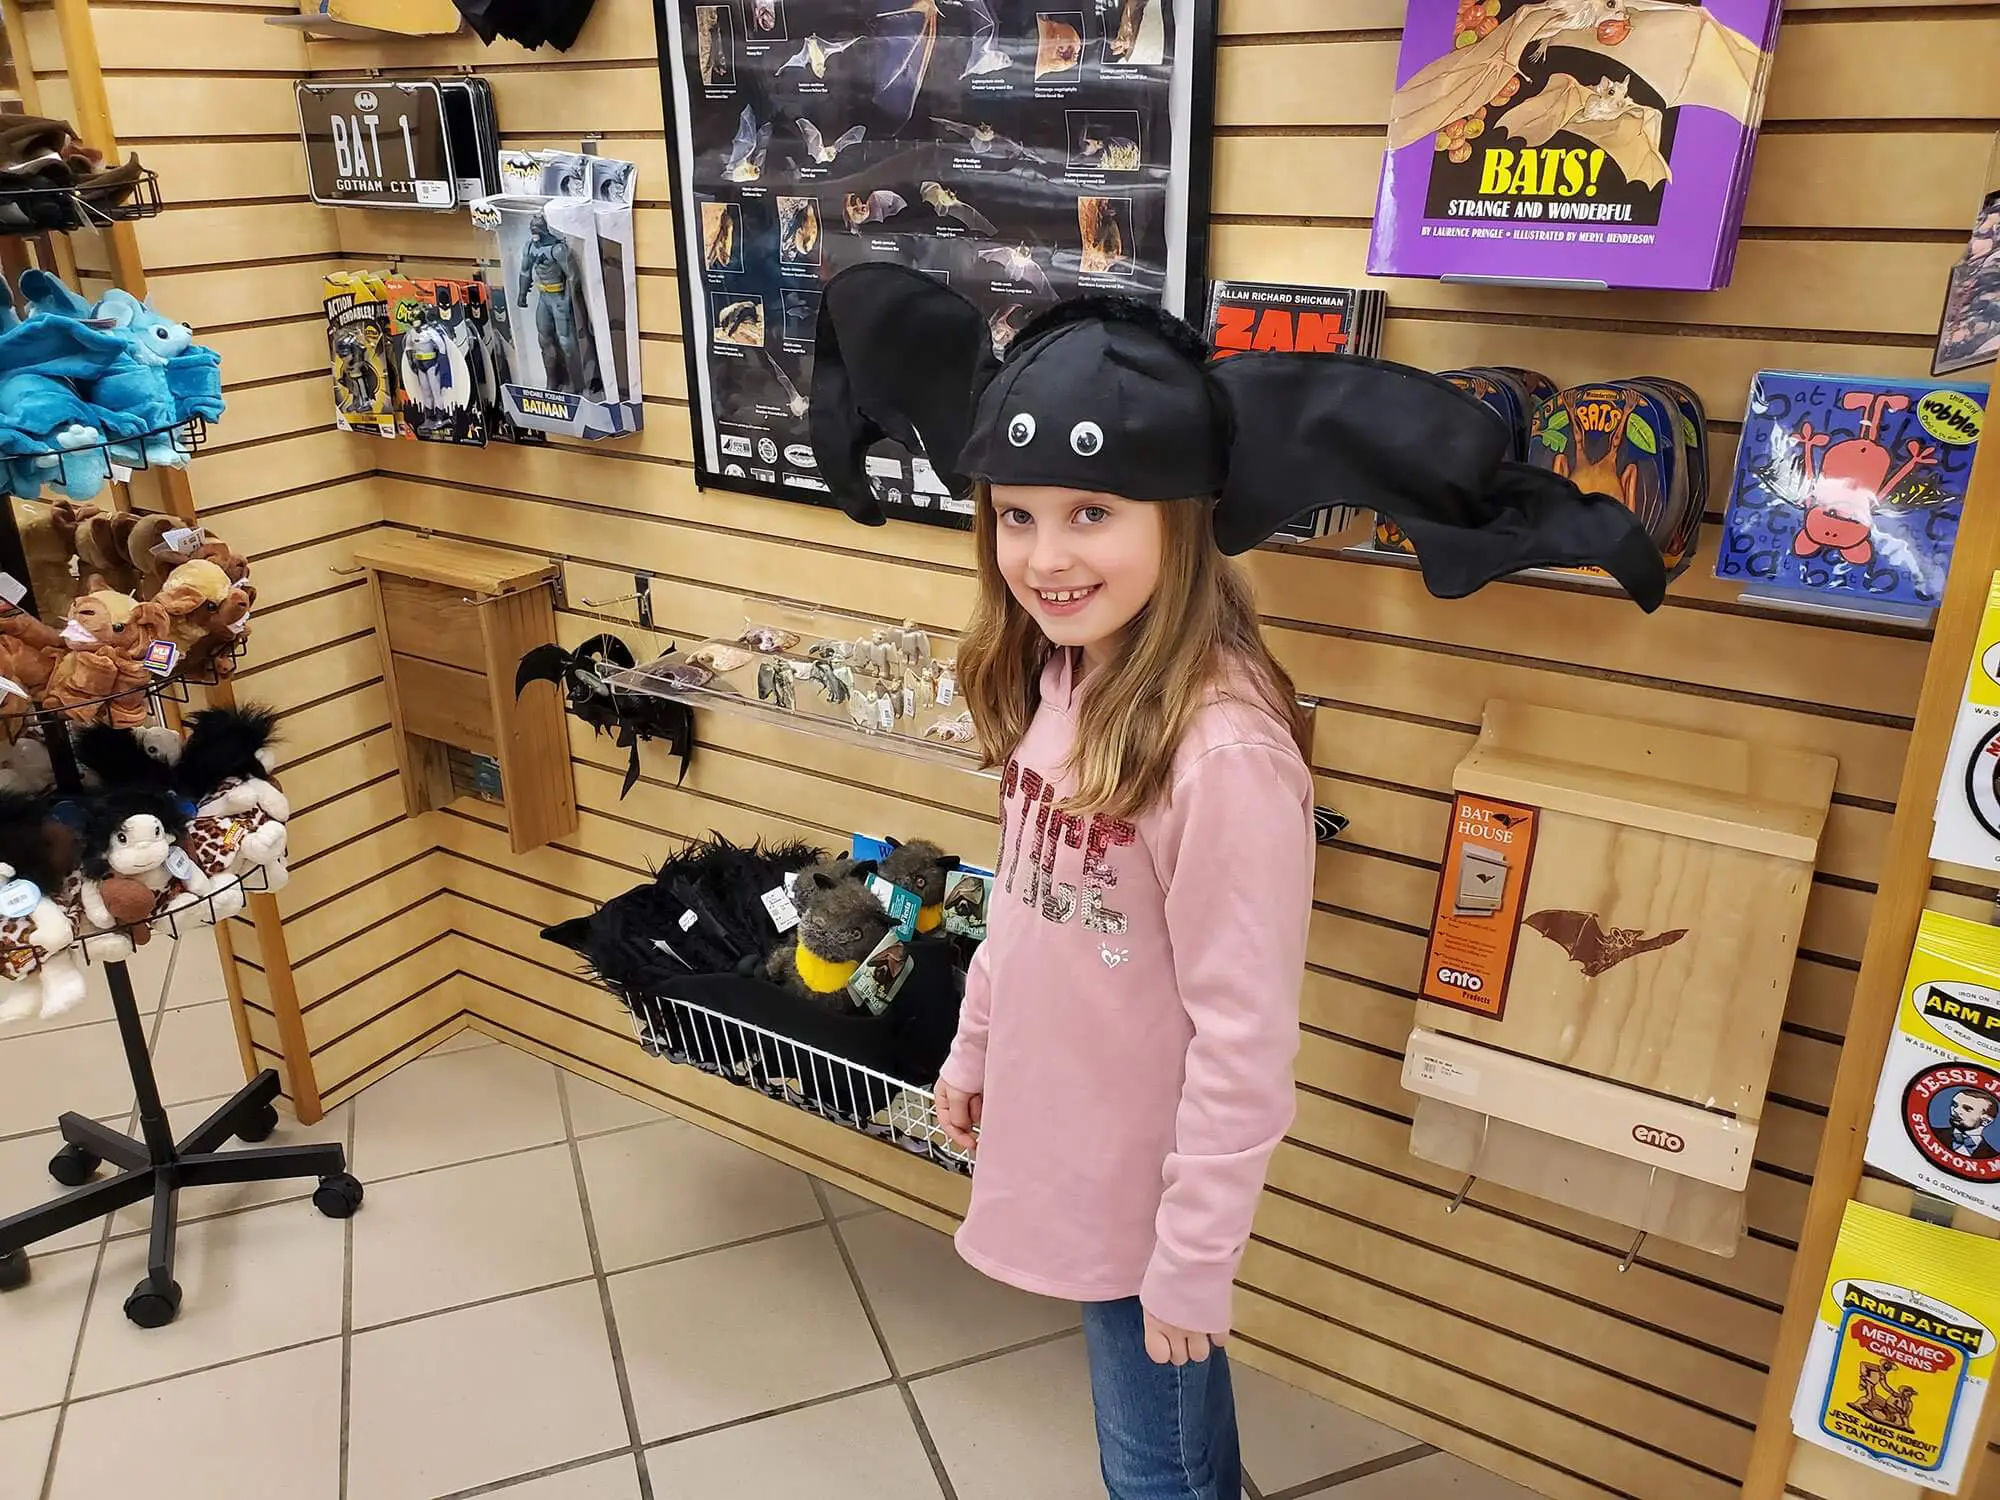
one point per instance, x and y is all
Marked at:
(1584, 141)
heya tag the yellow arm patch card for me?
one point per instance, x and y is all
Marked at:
(1902, 1352)
(1937, 1107)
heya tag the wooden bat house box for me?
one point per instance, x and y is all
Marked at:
(1617, 917)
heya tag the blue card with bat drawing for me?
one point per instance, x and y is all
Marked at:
(1849, 489)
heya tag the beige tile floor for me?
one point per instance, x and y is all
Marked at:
(552, 1293)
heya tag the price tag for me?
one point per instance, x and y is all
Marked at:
(688, 919)
(76, 635)
(885, 711)
(784, 915)
(434, 194)
(947, 689)
(180, 866)
(120, 474)
(161, 657)
(19, 898)
(183, 540)
(12, 589)
(9, 685)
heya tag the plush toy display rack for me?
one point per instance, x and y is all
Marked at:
(154, 1166)
(63, 210)
(810, 1076)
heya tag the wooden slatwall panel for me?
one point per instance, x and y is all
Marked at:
(1504, 1332)
(203, 94)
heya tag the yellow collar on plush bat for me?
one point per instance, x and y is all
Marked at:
(930, 918)
(823, 976)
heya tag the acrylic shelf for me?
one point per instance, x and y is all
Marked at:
(810, 716)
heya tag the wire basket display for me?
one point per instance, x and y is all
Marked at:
(801, 1075)
(88, 205)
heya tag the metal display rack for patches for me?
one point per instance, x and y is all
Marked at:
(803, 1076)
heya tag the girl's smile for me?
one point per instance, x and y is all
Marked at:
(1082, 564)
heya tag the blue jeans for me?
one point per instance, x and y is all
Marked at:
(1163, 1432)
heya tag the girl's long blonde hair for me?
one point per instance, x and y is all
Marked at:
(1199, 625)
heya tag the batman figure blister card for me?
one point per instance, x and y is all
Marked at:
(435, 350)
(1586, 142)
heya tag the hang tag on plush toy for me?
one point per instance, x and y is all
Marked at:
(180, 866)
(12, 589)
(9, 685)
(903, 906)
(947, 686)
(161, 658)
(19, 898)
(778, 902)
(179, 544)
(76, 635)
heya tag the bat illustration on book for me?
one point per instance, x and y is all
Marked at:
(711, 48)
(877, 207)
(814, 54)
(764, 14)
(1017, 263)
(1592, 947)
(1681, 51)
(987, 55)
(746, 151)
(983, 138)
(816, 144)
(950, 206)
(1606, 116)
(908, 37)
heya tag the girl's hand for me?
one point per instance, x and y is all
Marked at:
(958, 1114)
(1168, 1345)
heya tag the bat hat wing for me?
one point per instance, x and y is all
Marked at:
(1115, 396)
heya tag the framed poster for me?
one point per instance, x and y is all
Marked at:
(1021, 151)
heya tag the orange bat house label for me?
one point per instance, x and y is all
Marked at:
(1476, 924)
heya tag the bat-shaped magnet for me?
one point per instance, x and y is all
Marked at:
(950, 206)
(1595, 949)
(817, 147)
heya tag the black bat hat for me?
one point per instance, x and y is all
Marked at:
(1118, 397)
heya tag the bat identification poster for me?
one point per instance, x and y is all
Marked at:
(1581, 142)
(1020, 151)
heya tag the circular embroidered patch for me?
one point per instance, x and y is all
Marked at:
(1952, 1114)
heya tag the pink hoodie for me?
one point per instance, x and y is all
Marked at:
(1133, 1014)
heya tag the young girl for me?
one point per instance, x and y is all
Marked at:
(1129, 1024)
(1125, 1045)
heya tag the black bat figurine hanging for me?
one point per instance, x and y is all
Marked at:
(584, 677)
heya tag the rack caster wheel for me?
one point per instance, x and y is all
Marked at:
(150, 1307)
(260, 1125)
(14, 1270)
(338, 1196)
(73, 1166)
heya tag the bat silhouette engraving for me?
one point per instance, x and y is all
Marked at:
(1592, 947)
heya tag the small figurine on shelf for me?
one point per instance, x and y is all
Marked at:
(102, 675)
(39, 976)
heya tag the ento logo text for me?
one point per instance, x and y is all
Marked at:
(1658, 1139)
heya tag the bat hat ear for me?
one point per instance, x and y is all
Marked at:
(896, 354)
(1307, 431)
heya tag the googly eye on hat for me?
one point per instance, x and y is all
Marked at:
(1127, 400)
